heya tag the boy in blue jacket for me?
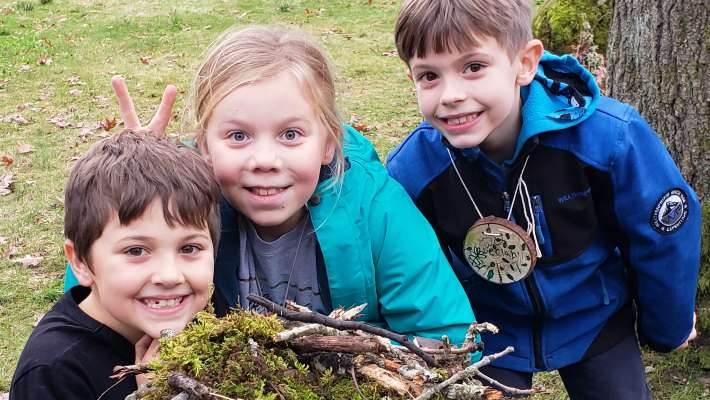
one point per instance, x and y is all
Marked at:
(563, 215)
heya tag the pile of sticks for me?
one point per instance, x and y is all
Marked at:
(404, 367)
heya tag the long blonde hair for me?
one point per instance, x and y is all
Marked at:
(244, 56)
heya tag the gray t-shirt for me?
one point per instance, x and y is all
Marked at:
(268, 268)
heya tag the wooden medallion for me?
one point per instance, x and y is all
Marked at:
(499, 250)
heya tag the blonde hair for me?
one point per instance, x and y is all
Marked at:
(443, 25)
(244, 56)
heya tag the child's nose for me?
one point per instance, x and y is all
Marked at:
(168, 273)
(453, 92)
(264, 158)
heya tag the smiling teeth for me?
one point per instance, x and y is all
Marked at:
(266, 191)
(461, 120)
(162, 303)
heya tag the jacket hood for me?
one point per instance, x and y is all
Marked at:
(562, 94)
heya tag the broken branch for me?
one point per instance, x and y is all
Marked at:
(311, 317)
(470, 371)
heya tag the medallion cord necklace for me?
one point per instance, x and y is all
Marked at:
(497, 249)
(293, 265)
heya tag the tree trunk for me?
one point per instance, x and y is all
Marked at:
(658, 62)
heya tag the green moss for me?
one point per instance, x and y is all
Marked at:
(558, 23)
(217, 352)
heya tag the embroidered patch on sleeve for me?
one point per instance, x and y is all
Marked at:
(670, 212)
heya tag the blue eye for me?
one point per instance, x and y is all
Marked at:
(291, 134)
(237, 136)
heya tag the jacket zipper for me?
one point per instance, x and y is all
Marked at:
(538, 310)
(535, 298)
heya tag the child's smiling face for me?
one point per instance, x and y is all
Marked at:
(472, 97)
(266, 146)
(146, 276)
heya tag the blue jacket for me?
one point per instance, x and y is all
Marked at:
(615, 221)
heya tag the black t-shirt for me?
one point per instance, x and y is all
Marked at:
(71, 356)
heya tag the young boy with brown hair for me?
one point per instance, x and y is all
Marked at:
(563, 215)
(141, 224)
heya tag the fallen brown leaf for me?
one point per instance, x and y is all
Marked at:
(6, 160)
(28, 106)
(145, 60)
(108, 124)
(74, 92)
(45, 60)
(46, 94)
(362, 127)
(15, 119)
(11, 251)
(25, 148)
(60, 121)
(492, 394)
(3, 82)
(29, 261)
(6, 10)
(391, 53)
(6, 184)
(75, 80)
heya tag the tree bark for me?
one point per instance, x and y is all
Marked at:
(658, 62)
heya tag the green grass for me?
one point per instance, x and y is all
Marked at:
(97, 39)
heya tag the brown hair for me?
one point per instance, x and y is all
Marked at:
(444, 25)
(243, 56)
(124, 173)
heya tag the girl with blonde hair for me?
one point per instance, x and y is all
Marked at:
(308, 212)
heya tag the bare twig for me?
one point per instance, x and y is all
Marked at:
(337, 344)
(357, 387)
(122, 371)
(305, 330)
(193, 388)
(384, 378)
(312, 317)
(475, 329)
(469, 348)
(293, 306)
(470, 371)
(351, 313)
(505, 388)
(188, 385)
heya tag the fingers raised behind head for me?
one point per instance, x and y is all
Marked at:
(125, 103)
(162, 117)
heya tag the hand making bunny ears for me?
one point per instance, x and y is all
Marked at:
(160, 120)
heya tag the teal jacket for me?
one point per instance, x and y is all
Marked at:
(374, 246)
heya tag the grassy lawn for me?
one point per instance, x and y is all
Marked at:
(56, 60)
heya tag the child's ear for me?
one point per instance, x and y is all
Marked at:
(329, 151)
(202, 147)
(80, 268)
(529, 58)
